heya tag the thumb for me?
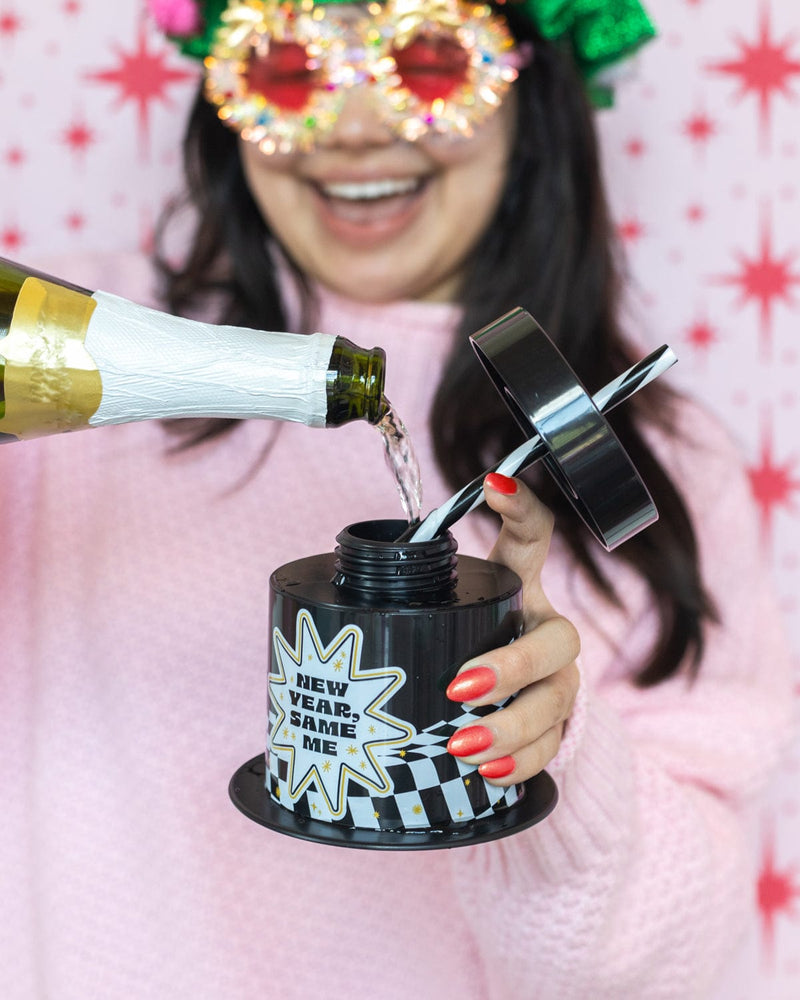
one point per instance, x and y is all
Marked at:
(524, 539)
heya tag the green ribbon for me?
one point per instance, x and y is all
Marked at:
(598, 33)
(200, 45)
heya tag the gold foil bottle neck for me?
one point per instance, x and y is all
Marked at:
(52, 384)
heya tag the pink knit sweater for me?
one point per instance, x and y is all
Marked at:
(133, 641)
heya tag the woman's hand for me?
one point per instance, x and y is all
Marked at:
(516, 742)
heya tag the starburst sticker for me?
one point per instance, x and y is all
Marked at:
(329, 727)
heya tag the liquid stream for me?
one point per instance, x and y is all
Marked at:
(402, 462)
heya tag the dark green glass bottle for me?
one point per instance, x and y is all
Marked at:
(355, 384)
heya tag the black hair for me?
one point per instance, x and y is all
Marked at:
(550, 249)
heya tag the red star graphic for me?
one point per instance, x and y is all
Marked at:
(75, 222)
(772, 484)
(15, 156)
(699, 128)
(10, 23)
(776, 892)
(635, 148)
(12, 238)
(630, 230)
(763, 68)
(78, 136)
(71, 7)
(765, 279)
(695, 213)
(143, 76)
(701, 335)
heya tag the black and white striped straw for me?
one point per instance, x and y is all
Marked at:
(530, 451)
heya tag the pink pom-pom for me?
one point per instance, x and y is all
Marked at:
(176, 17)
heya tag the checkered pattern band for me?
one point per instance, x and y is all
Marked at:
(430, 789)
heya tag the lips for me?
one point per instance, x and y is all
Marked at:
(370, 209)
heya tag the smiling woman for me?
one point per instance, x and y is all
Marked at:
(401, 174)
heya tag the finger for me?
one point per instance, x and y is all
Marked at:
(535, 655)
(524, 763)
(525, 535)
(520, 724)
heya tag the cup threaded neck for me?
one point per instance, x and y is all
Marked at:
(370, 561)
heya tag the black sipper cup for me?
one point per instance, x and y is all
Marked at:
(365, 641)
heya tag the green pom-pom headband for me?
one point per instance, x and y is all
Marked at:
(599, 33)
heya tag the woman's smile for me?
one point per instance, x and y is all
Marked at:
(366, 212)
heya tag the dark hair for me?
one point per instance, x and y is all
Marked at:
(549, 249)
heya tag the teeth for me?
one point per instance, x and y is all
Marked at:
(365, 190)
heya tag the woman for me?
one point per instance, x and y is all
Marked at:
(145, 565)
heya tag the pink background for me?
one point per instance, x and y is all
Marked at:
(702, 154)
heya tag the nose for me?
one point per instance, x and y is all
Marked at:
(359, 124)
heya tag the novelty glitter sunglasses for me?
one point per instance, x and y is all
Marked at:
(279, 73)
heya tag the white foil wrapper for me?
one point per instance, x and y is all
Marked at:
(158, 366)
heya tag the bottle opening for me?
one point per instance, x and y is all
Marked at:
(370, 561)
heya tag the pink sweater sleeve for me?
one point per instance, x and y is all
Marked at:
(638, 883)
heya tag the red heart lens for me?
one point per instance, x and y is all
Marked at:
(432, 66)
(282, 75)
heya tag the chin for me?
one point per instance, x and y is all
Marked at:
(369, 288)
(377, 289)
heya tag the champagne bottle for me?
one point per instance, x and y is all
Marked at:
(71, 359)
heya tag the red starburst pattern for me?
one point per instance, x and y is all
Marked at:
(71, 7)
(701, 336)
(15, 156)
(78, 136)
(12, 238)
(772, 484)
(695, 213)
(635, 148)
(630, 230)
(765, 279)
(10, 23)
(764, 68)
(75, 222)
(699, 129)
(142, 76)
(776, 893)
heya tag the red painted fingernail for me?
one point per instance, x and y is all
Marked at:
(473, 683)
(499, 768)
(472, 739)
(501, 484)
